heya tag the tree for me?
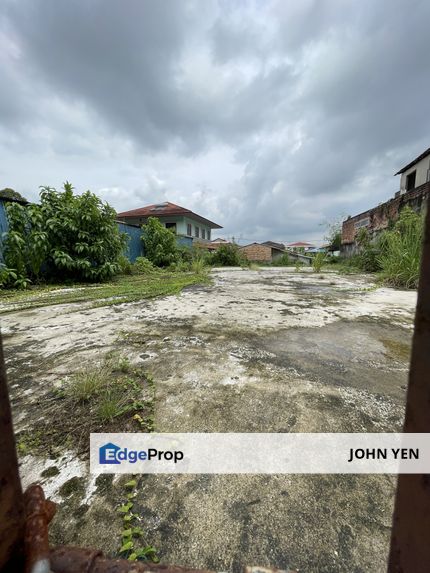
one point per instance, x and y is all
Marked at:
(66, 236)
(83, 236)
(9, 193)
(334, 235)
(159, 243)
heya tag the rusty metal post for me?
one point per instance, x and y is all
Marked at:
(11, 499)
(410, 540)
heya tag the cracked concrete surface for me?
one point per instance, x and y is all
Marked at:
(269, 350)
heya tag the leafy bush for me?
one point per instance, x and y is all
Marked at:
(180, 266)
(317, 262)
(25, 245)
(67, 236)
(125, 266)
(400, 250)
(83, 237)
(142, 266)
(160, 243)
(227, 256)
(283, 261)
(367, 259)
(198, 266)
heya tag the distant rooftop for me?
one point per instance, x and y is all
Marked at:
(300, 244)
(166, 209)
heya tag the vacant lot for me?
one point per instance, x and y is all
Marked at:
(269, 350)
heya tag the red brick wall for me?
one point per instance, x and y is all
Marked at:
(260, 253)
(380, 216)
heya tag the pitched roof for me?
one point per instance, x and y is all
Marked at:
(273, 244)
(412, 163)
(266, 244)
(300, 244)
(166, 209)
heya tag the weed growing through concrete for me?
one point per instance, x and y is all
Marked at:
(112, 396)
(131, 530)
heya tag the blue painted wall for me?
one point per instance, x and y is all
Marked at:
(183, 241)
(3, 218)
(135, 245)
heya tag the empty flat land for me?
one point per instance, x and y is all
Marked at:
(269, 350)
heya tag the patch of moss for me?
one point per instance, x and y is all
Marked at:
(396, 349)
(50, 472)
(72, 486)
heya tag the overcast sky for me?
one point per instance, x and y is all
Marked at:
(270, 118)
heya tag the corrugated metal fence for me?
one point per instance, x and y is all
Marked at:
(135, 244)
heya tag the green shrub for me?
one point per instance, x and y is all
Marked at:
(26, 245)
(317, 262)
(180, 266)
(198, 266)
(67, 236)
(283, 261)
(83, 236)
(160, 243)
(400, 250)
(227, 256)
(125, 265)
(142, 266)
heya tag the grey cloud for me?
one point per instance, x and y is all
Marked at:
(318, 101)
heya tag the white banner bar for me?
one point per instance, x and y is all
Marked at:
(253, 453)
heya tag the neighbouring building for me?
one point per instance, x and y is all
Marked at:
(300, 246)
(275, 245)
(182, 221)
(414, 191)
(215, 244)
(262, 252)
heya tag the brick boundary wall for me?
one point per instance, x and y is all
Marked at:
(380, 216)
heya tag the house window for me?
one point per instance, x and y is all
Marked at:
(208, 234)
(196, 232)
(410, 180)
(189, 230)
(203, 233)
(171, 226)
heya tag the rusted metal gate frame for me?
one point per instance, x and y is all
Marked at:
(24, 522)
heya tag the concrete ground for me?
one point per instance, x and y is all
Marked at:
(271, 350)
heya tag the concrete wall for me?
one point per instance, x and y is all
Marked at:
(421, 177)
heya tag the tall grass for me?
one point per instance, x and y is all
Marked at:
(317, 262)
(400, 256)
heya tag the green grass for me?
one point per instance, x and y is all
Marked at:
(121, 289)
(100, 398)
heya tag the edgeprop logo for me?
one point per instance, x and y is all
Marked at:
(112, 454)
